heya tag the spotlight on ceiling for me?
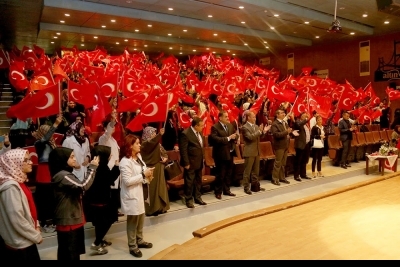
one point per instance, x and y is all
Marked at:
(335, 26)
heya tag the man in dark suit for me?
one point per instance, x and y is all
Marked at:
(191, 145)
(302, 147)
(280, 132)
(251, 151)
(346, 135)
(223, 139)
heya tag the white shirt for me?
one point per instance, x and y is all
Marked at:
(81, 152)
(107, 140)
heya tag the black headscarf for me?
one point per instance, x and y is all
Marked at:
(58, 159)
(103, 152)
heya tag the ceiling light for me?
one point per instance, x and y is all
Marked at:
(194, 50)
(214, 52)
(170, 48)
(58, 33)
(136, 30)
(55, 37)
(306, 22)
(241, 7)
(233, 54)
(317, 37)
(128, 1)
(62, 21)
(67, 15)
(82, 45)
(52, 42)
(243, 22)
(180, 53)
(210, 16)
(103, 26)
(228, 51)
(365, 15)
(170, 8)
(224, 41)
(117, 43)
(215, 34)
(95, 37)
(265, 42)
(145, 45)
(126, 40)
(245, 44)
(149, 25)
(335, 26)
(386, 22)
(207, 48)
(185, 30)
(272, 28)
(135, 49)
(169, 34)
(113, 20)
(267, 47)
(276, 15)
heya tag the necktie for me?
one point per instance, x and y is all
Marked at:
(199, 137)
(284, 125)
(226, 128)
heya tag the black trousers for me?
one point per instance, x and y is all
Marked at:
(192, 184)
(346, 149)
(317, 158)
(300, 161)
(30, 253)
(223, 175)
(71, 244)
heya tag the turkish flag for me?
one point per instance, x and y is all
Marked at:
(258, 103)
(32, 154)
(41, 81)
(57, 70)
(133, 102)
(99, 111)
(214, 111)
(151, 111)
(348, 98)
(17, 75)
(40, 104)
(58, 138)
(131, 85)
(109, 85)
(393, 94)
(82, 93)
(300, 105)
(29, 57)
(4, 59)
(321, 104)
(184, 120)
(233, 111)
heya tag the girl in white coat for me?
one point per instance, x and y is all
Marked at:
(134, 174)
(77, 141)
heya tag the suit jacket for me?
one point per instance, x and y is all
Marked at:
(300, 141)
(345, 133)
(218, 139)
(251, 139)
(191, 150)
(280, 135)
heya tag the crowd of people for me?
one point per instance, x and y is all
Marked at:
(87, 174)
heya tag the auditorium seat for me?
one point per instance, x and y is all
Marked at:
(369, 137)
(362, 141)
(335, 149)
(384, 136)
(290, 155)
(377, 137)
(375, 127)
(175, 185)
(238, 167)
(336, 130)
(389, 133)
(267, 158)
(209, 162)
(356, 150)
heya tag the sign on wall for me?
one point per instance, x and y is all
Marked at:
(364, 58)
(290, 64)
(323, 74)
(265, 61)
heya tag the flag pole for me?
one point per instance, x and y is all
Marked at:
(166, 115)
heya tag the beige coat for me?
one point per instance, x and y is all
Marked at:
(132, 200)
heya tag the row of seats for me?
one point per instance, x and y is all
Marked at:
(370, 127)
(362, 142)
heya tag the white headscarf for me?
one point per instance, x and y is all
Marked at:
(11, 164)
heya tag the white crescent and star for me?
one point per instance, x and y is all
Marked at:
(228, 88)
(314, 82)
(18, 73)
(50, 101)
(153, 112)
(72, 93)
(260, 82)
(112, 86)
(182, 115)
(345, 100)
(33, 154)
(46, 81)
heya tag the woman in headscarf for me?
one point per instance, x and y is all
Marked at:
(19, 228)
(68, 192)
(154, 155)
(77, 141)
(99, 209)
(44, 144)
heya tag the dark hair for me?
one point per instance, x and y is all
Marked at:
(126, 149)
(196, 121)
(279, 110)
(221, 113)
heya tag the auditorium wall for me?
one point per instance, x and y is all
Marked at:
(342, 61)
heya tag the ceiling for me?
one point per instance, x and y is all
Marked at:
(188, 29)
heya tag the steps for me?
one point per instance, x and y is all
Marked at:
(6, 100)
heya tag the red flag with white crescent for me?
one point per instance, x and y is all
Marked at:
(32, 154)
